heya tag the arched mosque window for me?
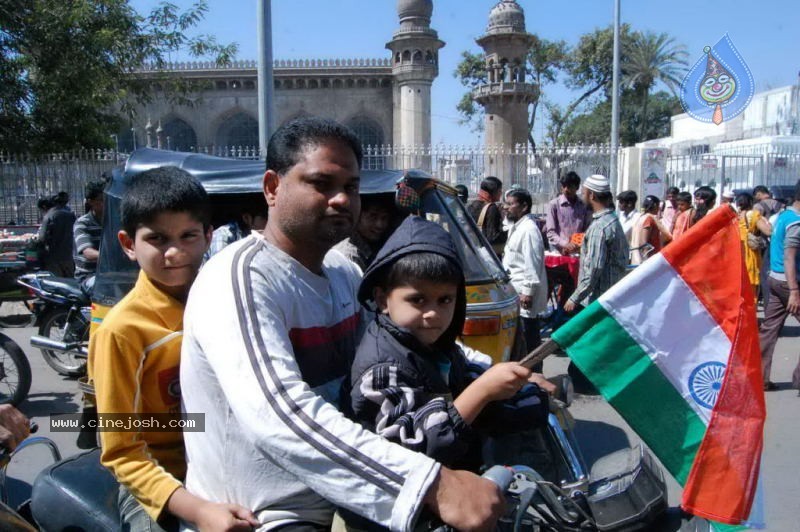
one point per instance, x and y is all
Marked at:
(239, 130)
(179, 135)
(367, 130)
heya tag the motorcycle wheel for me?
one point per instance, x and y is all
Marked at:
(52, 326)
(15, 372)
(25, 319)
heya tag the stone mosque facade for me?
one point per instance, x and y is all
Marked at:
(386, 101)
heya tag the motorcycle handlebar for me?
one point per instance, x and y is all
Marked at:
(500, 475)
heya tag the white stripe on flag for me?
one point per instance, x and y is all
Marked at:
(692, 357)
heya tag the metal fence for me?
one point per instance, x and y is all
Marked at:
(739, 168)
(537, 170)
(25, 179)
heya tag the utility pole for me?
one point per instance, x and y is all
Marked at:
(615, 101)
(266, 87)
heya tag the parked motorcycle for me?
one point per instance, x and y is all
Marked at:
(15, 372)
(63, 312)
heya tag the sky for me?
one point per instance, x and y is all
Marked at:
(766, 33)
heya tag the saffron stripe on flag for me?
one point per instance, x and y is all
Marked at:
(635, 387)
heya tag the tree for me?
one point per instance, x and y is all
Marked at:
(66, 67)
(589, 69)
(652, 58)
(471, 71)
(544, 61)
(594, 126)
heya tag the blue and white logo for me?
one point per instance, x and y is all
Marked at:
(719, 86)
(705, 383)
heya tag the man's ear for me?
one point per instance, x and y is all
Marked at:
(127, 244)
(270, 185)
(209, 234)
(380, 295)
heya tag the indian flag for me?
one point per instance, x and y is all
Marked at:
(674, 348)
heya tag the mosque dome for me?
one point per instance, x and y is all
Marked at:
(507, 14)
(411, 9)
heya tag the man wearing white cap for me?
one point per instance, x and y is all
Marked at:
(604, 251)
(728, 198)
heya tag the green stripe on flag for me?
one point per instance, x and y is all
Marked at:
(634, 386)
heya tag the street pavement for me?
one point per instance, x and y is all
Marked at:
(599, 428)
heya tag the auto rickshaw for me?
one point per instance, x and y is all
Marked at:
(492, 304)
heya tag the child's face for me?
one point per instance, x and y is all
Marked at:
(683, 205)
(423, 307)
(170, 250)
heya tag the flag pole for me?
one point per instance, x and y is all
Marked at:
(266, 90)
(539, 354)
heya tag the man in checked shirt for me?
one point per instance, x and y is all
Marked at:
(604, 252)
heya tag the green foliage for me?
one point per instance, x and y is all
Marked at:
(471, 72)
(651, 58)
(591, 62)
(594, 127)
(66, 67)
(589, 69)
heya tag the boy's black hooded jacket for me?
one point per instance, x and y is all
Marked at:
(398, 385)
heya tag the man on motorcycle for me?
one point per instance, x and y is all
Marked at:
(87, 232)
(265, 363)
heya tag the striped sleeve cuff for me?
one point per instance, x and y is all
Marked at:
(410, 501)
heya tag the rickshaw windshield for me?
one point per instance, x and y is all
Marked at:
(480, 264)
(116, 274)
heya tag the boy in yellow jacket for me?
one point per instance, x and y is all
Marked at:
(134, 357)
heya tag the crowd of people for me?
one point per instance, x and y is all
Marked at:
(323, 350)
(608, 242)
(69, 246)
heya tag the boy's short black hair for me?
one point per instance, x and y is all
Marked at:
(522, 196)
(762, 189)
(61, 199)
(421, 267)
(290, 140)
(673, 190)
(684, 197)
(571, 179)
(627, 196)
(44, 203)
(94, 189)
(492, 185)
(380, 202)
(163, 189)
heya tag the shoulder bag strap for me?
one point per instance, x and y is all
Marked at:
(482, 216)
